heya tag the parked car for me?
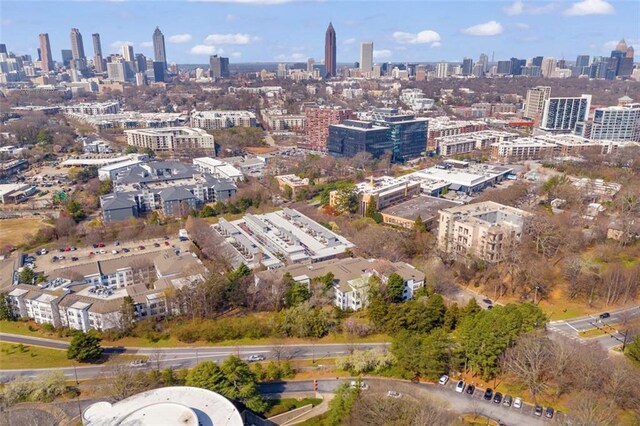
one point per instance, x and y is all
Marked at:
(166, 243)
(537, 411)
(507, 401)
(166, 237)
(114, 252)
(443, 379)
(156, 244)
(126, 250)
(138, 363)
(100, 244)
(252, 358)
(394, 394)
(487, 301)
(549, 413)
(470, 389)
(605, 315)
(488, 394)
(95, 246)
(116, 243)
(141, 247)
(74, 259)
(91, 254)
(43, 251)
(102, 252)
(497, 398)
(460, 386)
(517, 403)
(363, 385)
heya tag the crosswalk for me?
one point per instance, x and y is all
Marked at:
(559, 327)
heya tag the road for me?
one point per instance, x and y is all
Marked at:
(444, 396)
(183, 357)
(570, 328)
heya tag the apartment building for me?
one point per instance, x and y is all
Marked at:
(534, 104)
(467, 142)
(271, 239)
(568, 115)
(171, 139)
(319, 118)
(293, 182)
(486, 230)
(218, 168)
(520, 149)
(130, 120)
(94, 108)
(214, 120)
(279, 121)
(384, 191)
(616, 123)
(443, 126)
(350, 278)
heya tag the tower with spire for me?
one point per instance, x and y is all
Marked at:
(159, 51)
(330, 51)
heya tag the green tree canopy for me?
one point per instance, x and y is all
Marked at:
(395, 287)
(27, 275)
(84, 347)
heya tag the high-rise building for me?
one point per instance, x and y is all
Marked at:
(141, 62)
(484, 61)
(159, 51)
(318, 121)
(517, 65)
(583, 60)
(67, 57)
(127, 53)
(548, 66)
(536, 98)
(616, 123)
(566, 114)
(537, 61)
(45, 53)
(330, 51)
(354, 136)
(366, 56)
(158, 71)
(467, 66)
(219, 66)
(116, 71)
(97, 53)
(77, 47)
(504, 67)
(442, 70)
(408, 135)
(3, 48)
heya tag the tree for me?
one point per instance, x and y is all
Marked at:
(128, 316)
(395, 287)
(419, 225)
(372, 212)
(84, 347)
(206, 375)
(27, 275)
(348, 199)
(529, 360)
(633, 349)
(6, 313)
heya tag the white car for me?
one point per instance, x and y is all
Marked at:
(252, 358)
(394, 394)
(102, 252)
(138, 363)
(517, 402)
(443, 379)
(460, 386)
(363, 385)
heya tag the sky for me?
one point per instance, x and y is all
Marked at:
(293, 30)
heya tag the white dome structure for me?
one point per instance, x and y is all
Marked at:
(175, 405)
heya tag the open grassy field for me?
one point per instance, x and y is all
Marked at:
(22, 356)
(14, 231)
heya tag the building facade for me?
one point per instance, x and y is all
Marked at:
(354, 136)
(566, 114)
(616, 123)
(534, 104)
(170, 139)
(318, 121)
(330, 52)
(159, 50)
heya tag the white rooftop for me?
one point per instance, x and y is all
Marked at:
(175, 405)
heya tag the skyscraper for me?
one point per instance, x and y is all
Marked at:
(219, 66)
(366, 56)
(77, 47)
(45, 53)
(330, 51)
(97, 53)
(536, 98)
(159, 52)
(582, 61)
(548, 66)
(442, 70)
(127, 53)
(67, 56)
(467, 66)
(3, 48)
(484, 62)
(537, 61)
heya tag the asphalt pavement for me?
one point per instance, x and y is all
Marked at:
(183, 357)
(445, 396)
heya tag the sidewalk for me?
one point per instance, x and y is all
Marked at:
(322, 408)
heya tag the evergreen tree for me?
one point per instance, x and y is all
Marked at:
(395, 287)
(84, 347)
(419, 225)
(6, 313)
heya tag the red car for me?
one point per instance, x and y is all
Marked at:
(141, 247)
(67, 248)
(91, 253)
(101, 245)
(166, 243)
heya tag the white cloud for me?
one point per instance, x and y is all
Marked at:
(436, 44)
(293, 57)
(382, 54)
(490, 28)
(146, 44)
(201, 49)
(515, 9)
(230, 39)
(180, 38)
(426, 36)
(349, 41)
(590, 7)
(266, 2)
(116, 46)
(230, 17)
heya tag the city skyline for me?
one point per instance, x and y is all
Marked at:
(295, 33)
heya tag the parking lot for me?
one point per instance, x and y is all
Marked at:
(56, 259)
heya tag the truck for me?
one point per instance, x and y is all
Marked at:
(182, 234)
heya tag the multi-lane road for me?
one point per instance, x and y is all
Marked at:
(183, 357)
(570, 329)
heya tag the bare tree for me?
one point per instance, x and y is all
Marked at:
(529, 360)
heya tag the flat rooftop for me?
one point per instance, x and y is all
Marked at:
(424, 206)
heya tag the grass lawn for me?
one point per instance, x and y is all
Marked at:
(28, 328)
(14, 231)
(597, 332)
(315, 421)
(470, 419)
(279, 406)
(16, 356)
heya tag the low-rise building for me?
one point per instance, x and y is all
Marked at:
(279, 121)
(218, 168)
(467, 142)
(285, 236)
(293, 182)
(383, 191)
(443, 126)
(93, 108)
(487, 230)
(425, 207)
(171, 139)
(214, 120)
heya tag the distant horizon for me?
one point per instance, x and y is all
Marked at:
(289, 31)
